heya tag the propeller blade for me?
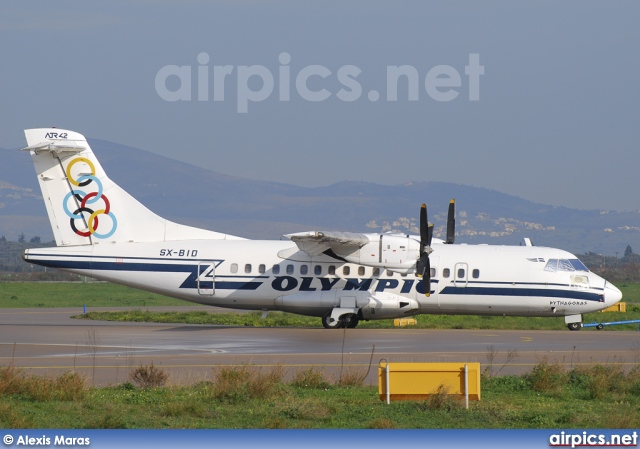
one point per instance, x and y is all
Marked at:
(422, 264)
(451, 222)
(424, 224)
(426, 278)
(423, 267)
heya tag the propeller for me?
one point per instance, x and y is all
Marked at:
(423, 267)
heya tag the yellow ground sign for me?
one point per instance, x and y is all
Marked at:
(402, 322)
(618, 307)
(416, 381)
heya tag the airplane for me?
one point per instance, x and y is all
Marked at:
(341, 277)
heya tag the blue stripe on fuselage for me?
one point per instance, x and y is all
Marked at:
(508, 291)
(190, 281)
(253, 284)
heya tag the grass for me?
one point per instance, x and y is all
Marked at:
(630, 291)
(247, 397)
(77, 294)
(69, 386)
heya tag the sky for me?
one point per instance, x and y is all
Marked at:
(536, 99)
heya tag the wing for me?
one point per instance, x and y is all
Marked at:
(342, 244)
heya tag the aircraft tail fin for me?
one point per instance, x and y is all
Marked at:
(85, 207)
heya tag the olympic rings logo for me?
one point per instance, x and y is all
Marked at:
(84, 199)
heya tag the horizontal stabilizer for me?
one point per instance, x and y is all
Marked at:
(57, 148)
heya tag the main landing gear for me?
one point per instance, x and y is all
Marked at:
(574, 326)
(349, 321)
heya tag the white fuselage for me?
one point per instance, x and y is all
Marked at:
(275, 275)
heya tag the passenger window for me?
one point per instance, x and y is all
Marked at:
(360, 271)
(332, 270)
(346, 270)
(247, 268)
(376, 272)
(433, 272)
(304, 269)
(276, 269)
(262, 268)
(389, 273)
(475, 273)
(317, 270)
(446, 273)
(460, 273)
(289, 269)
(234, 267)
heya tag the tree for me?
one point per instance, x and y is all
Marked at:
(22, 238)
(628, 252)
(3, 239)
(35, 239)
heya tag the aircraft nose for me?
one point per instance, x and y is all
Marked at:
(611, 294)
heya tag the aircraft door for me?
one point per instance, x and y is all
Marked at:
(435, 280)
(206, 280)
(393, 249)
(460, 274)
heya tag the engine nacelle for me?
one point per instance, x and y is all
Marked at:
(309, 303)
(388, 305)
(397, 253)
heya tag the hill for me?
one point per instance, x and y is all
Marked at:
(260, 209)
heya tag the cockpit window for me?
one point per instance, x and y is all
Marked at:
(565, 265)
(579, 266)
(552, 265)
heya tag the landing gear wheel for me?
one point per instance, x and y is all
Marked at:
(350, 321)
(331, 325)
(574, 326)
